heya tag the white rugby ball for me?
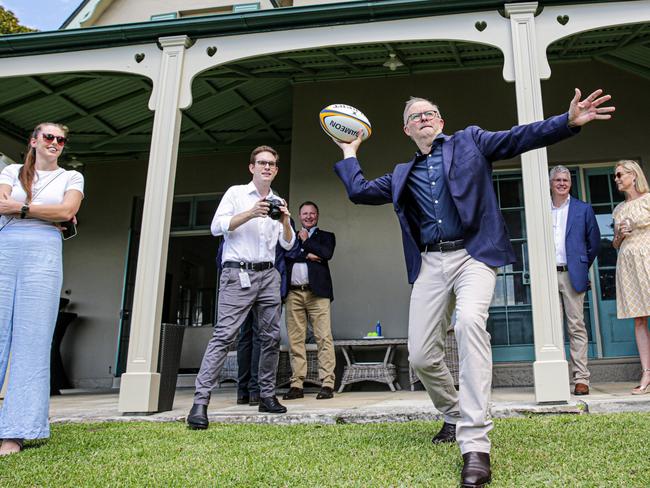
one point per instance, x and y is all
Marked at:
(343, 122)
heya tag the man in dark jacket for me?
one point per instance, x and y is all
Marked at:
(577, 239)
(454, 238)
(309, 297)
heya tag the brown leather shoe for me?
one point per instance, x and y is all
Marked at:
(581, 389)
(476, 470)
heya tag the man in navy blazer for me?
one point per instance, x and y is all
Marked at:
(454, 238)
(309, 297)
(577, 239)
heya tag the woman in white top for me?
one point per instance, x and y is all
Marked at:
(33, 196)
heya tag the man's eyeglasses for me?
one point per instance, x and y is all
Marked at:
(428, 115)
(270, 164)
(60, 140)
(619, 175)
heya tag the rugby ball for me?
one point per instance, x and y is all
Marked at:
(343, 122)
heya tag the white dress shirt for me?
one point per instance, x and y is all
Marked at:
(299, 272)
(253, 241)
(560, 215)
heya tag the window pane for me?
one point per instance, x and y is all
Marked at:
(520, 327)
(205, 210)
(181, 214)
(515, 223)
(511, 195)
(599, 188)
(497, 326)
(607, 279)
(607, 254)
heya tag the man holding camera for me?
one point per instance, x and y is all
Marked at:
(252, 220)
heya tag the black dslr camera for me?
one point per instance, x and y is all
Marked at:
(274, 207)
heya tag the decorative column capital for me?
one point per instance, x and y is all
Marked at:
(175, 41)
(521, 8)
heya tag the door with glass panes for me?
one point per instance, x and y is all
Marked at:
(617, 335)
(510, 323)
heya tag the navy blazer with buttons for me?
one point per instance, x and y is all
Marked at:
(582, 241)
(322, 244)
(467, 160)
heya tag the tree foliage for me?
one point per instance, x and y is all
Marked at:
(9, 24)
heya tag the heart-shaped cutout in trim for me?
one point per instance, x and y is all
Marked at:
(563, 19)
(211, 51)
(481, 25)
(139, 57)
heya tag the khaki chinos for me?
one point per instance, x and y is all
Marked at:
(572, 304)
(301, 306)
(449, 280)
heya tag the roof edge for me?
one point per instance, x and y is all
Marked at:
(243, 23)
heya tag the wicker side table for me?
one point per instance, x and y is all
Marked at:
(381, 372)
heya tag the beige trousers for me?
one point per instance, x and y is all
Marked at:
(572, 304)
(303, 306)
(446, 281)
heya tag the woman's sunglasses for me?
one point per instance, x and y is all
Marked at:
(619, 175)
(60, 140)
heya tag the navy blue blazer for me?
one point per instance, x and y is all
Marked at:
(467, 160)
(582, 241)
(322, 244)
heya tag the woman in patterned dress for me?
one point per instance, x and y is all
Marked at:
(632, 239)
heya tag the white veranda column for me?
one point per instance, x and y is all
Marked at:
(141, 383)
(550, 368)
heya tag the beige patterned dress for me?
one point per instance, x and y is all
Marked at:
(633, 265)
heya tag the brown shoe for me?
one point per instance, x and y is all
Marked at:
(476, 470)
(581, 389)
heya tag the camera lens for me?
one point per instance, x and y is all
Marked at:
(274, 212)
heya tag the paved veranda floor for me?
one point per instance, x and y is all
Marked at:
(346, 407)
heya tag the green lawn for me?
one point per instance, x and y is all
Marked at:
(562, 451)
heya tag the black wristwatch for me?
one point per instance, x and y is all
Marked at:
(23, 211)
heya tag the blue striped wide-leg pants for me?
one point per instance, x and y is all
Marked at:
(31, 276)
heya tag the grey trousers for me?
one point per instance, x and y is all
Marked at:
(234, 305)
(572, 304)
(446, 281)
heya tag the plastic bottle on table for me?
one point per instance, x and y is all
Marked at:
(378, 328)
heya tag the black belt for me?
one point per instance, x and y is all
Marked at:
(250, 266)
(300, 287)
(562, 268)
(443, 246)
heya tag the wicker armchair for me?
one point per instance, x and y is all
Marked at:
(451, 358)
